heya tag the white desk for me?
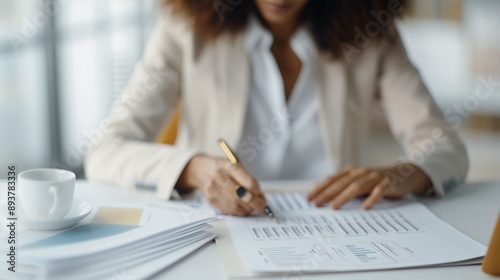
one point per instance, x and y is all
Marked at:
(472, 209)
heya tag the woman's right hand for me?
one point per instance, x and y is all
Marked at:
(218, 180)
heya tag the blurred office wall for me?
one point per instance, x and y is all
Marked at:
(455, 44)
(63, 62)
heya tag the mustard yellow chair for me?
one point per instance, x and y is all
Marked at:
(169, 133)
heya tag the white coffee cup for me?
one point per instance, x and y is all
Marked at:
(46, 194)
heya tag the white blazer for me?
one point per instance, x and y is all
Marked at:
(212, 79)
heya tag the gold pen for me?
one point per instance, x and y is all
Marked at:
(245, 195)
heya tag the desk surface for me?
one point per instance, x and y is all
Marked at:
(471, 208)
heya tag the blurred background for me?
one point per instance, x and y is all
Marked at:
(63, 62)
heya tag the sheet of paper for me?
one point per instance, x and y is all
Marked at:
(149, 268)
(133, 261)
(234, 266)
(309, 239)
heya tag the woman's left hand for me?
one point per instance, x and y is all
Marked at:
(395, 182)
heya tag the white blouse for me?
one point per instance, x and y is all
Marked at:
(282, 140)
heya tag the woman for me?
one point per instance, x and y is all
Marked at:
(290, 84)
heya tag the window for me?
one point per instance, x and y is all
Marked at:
(62, 63)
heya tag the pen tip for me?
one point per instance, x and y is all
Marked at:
(270, 214)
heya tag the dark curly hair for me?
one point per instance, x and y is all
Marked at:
(333, 23)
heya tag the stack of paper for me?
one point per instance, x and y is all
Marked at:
(115, 243)
(309, 239)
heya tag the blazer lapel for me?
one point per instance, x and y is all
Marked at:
(331, 91)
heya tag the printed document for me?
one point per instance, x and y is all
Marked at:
(309, 239)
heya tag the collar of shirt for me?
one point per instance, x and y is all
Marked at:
(258, 44)
(301, 42)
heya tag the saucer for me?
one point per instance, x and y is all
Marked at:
(79, 210)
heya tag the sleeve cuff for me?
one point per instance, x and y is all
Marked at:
(166, 183)
(440, 183)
